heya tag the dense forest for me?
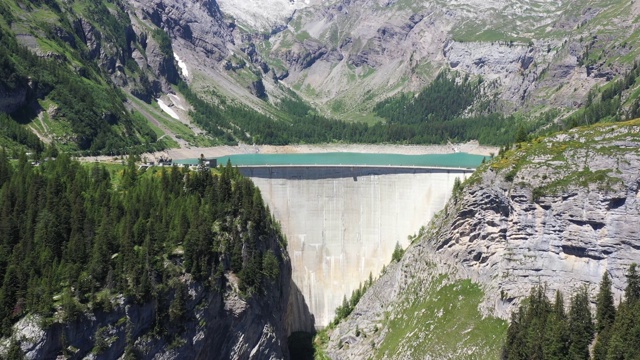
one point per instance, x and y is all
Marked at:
(446, 98)
(73, 236)
(542, 329)
(233, 123)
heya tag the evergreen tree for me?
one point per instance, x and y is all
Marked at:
(625, 332)
(556, 338)
(5, 168)
(178, 307)
(605, 317)
(515, 347)
(605, 308)
(521, 135)
(539, 310)
(398, 252)
(580, 325)
(632, 292)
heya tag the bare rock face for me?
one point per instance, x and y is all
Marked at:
(515, 68)
(558, 212)
(561, 218)
(257, 89)
(88, 34)
(302, 55)
(359, 50)
(198, 23)
(264, 15)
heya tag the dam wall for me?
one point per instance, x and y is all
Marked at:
(342, 222)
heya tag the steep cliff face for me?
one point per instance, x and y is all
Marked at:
(219, 322)
(558, 211)
(358, 51)
(217, 325)
(198, 23)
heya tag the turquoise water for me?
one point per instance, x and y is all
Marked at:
(457, 160)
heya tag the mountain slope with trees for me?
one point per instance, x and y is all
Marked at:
(71, 72)
(157, 257)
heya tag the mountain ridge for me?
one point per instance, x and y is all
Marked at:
(556, 211)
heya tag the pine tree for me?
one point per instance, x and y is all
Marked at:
(625, 332)
(178, 306)
(5, 168)
(515, 345)
(632, 292)
(605, 317)
(580, 325)
(130, 175)
(556, 338)
(538, 311)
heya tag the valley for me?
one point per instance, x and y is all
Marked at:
(394, 179)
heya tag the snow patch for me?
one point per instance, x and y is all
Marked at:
(177, 102)
(182, 65)
(167, 109)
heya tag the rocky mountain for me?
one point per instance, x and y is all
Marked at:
(111, 77)
(558, 211)
(342, 57)
(219, 324)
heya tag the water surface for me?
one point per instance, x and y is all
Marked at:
(456, 160)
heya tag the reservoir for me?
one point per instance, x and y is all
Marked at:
(344, 213)
(455, 160)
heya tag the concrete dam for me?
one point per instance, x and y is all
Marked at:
(342, 222)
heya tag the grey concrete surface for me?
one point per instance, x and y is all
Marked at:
(343, 222)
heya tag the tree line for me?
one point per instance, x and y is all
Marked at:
(231, 123)
(73, 236)
(541, 329)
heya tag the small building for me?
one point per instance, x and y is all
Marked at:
(210, 162)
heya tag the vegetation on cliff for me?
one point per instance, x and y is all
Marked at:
(554, 163)
(75, 237)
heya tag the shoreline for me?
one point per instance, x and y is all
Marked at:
(471, 147)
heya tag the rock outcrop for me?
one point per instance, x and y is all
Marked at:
(198, 23)
(560, 212)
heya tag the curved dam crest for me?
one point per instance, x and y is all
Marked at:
(342, 222)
